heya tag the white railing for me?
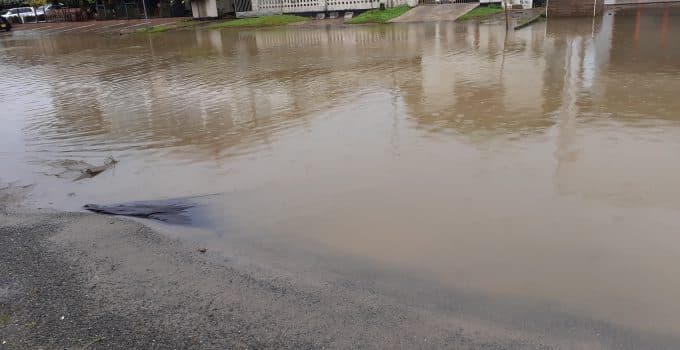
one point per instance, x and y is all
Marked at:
(262, 7)
(345, 5)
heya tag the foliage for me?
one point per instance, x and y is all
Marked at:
(5, 4)
(266, 21)
(481, 12)
(36, 3)
(379, 16)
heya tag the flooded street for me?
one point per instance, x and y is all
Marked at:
(528, 180)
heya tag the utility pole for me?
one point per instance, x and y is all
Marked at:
(507, 22)
(146, 17)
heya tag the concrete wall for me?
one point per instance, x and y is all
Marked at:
(575, 8)
(211, 8)
(204, 9)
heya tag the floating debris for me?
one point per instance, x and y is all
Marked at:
(93, 171)
(67, 166)
(172, 211)
(79, 168)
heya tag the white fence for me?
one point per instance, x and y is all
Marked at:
(266, 7)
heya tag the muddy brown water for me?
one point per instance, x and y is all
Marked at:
(542, 166)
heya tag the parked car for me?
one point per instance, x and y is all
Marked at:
(47, 10)
(4, 24)
(19, 15)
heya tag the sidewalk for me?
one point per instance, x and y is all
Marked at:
(434, 13)
(102, 27)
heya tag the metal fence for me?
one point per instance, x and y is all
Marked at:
(242, 6)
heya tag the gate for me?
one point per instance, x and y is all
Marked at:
(242, 6)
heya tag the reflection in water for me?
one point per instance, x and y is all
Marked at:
(541, 165)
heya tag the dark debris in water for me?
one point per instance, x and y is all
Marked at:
(171, 211)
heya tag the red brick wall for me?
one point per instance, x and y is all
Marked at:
(574, 8)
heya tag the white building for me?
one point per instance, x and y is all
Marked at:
(251, 8)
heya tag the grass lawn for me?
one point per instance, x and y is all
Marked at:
(156, 29)
(276, 20)
(480, 12)
(165, 27)
(379, 16)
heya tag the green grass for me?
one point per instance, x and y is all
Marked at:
(4, 319)
(155, 29)
(379, 16)
(266, 21)
(481, 12)
(165, 27)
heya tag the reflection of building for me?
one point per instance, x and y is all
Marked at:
(574, 8)
(619, 79)
(495, 88)
(212, 90)
(208, 90)
(469, 78)
(644, 38)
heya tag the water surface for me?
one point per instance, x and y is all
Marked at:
(540, 166)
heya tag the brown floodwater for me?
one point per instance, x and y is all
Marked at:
(540, 168)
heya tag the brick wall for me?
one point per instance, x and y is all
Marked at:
(574, 8)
